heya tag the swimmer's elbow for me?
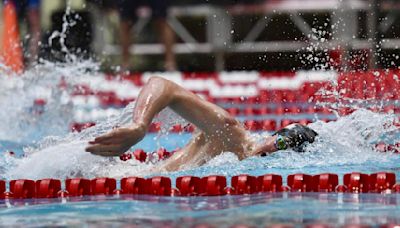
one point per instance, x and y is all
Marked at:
(159, 81)
(164, 86)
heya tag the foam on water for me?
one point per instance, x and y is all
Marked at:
(59, 154)
(18, 93)
(347, 142)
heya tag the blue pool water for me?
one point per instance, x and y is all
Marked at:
(317, 160)
(45, 149)
(257, 210)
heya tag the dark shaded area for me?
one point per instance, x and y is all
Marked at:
(79, 37)
(114, 3)
(77, 40)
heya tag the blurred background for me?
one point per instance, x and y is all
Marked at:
(212, 35)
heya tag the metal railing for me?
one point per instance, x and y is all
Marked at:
(344, 27)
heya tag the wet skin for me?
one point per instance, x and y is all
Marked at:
(217, 130)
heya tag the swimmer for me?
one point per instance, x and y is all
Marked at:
(217, 132)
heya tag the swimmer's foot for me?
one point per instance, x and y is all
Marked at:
(118, 141)
(294, 136)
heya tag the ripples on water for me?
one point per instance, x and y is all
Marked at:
(342, 146)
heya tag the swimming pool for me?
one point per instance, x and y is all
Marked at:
(255, 210)
(344, 146)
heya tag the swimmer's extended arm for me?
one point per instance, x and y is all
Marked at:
(156, 95)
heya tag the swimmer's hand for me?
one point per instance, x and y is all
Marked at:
(118, 141)
(294, 136)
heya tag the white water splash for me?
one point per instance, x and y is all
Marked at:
(20, 123)
(348, 141)
(344, 145)
(59, 154)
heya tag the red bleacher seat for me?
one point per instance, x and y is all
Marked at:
(250, 111)
(103, 186)
(356, 182)
(293, 110)
(233, 111)
(345, 111)
(326, 182)
(382, 181)
(159, 186)
(300, 182)
(48, 188)
(265, 96)
(268, 125)
(133, 185)
(276, 96)
(311, 109)
(22, 189)
(305, 122)
(279, 110)
(107, 98)
(188, 185)
(244, 184)
(77, 187)
(270, 183)
(252, 125)
(253, 100)
(389, 109)
(213, 185)
(310, 88)
(264, 110)
(285, 123)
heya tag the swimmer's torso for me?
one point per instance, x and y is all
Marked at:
(203, 147)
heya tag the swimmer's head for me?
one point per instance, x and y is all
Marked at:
(294, 137)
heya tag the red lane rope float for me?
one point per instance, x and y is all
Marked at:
(48, 188)
(214, 185)
(2, 189)
(382, 147)
(326, 182)
(189, 186)
(133, 185)
(77, 187)
(244, 184)
(142, 156)
(162, 153)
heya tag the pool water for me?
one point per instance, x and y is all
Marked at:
(224, 211)
(341, 147)
(45, 148)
